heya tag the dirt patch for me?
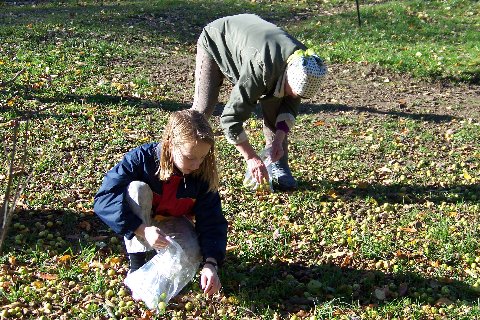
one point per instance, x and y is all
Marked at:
(356, 88)
(367, 88)
(174, 75)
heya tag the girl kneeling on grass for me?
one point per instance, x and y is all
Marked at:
(177, 177)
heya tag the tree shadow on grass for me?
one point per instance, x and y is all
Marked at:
(330, 108)
(106, 99)
(335, 108)
(180, 20)
(396, 193)
(292, 287)
(258, 283)
(95, 99)
(77, 231)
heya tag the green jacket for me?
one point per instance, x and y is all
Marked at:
(252, 53)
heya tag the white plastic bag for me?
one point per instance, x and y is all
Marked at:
(162, 278)
(250, 182)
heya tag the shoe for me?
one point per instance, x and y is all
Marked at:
(281, 176)
(137, 260)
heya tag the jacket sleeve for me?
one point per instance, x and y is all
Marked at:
(243, 99)
(288, 111)
(211, 226)
(110, 201)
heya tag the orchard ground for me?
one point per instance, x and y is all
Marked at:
(385, 223)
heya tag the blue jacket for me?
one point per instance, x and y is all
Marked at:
(141, 164)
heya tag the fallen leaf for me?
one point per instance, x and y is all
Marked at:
(47, 276)
(319, 123)
(338, 254)
(84, 266)
(384, 170)
(471, 273)
(369, 138)
(443, 302)
(346, 261)
(231, 248)
(12, 260)
(85, 225)
(355, 133)
(401, 255)
(332, 194)
(337, 312)
(97, 264)
(411, 230)
(115, 260)
(118, 85)
(65, 259)
(6, 284)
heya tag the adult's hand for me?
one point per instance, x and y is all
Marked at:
(254, 163)
(257, 169)
(277, 146)
(276, 151)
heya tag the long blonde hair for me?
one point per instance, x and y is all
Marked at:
(189, 126)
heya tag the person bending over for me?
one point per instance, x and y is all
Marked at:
(267, 65)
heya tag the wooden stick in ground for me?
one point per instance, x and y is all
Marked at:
(5, 215)
(21, 186)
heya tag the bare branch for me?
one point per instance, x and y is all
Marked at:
(3, 84)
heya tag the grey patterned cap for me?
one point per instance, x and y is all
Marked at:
(305, 71)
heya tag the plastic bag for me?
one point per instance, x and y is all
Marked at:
(162, 278)
(250, 182)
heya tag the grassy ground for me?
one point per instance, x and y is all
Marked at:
(384, 226)
(436, 39)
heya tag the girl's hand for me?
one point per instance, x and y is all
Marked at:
(257, 169)
(155, 237)
(209, 280)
